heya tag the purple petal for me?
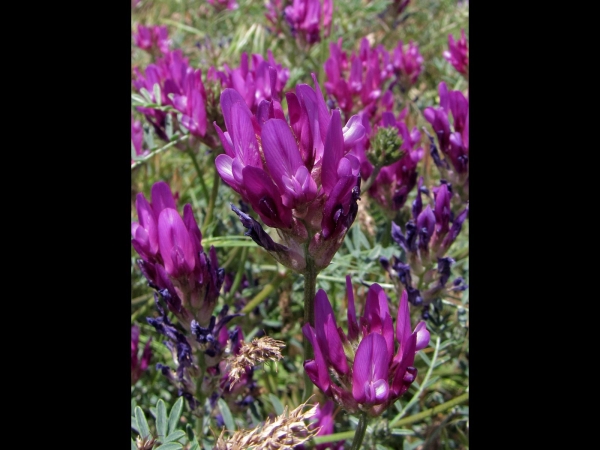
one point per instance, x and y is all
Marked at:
(407, 359)
(332, 152)
(369, 378)
(281, 151)
(147, 221)
(161, 197)
(265, 198)
(354, 132)
(422, 336)
(327, 334)
(174, 240)
(403, 329)
(192, 226)
(223, 163)
(317, 368)
(225, 140)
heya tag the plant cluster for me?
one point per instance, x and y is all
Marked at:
(300, 206)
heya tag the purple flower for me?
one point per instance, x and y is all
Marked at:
(148, 38)
(304, 19)
(408, 63)
(262, 80)
(170, 73)
(138, 364)
(172, 258)
(301, 179)
(457, 53)
(358, 85)
(365, 369)
(192, 102)
(454, 143)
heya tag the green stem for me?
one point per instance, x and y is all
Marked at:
(310, 286)
(238, 275)
(367, 184)
(213, 199)
(415, 397)
(359, 435)
(143, 159)
(190, 152)
(266, 291)
(433, 411)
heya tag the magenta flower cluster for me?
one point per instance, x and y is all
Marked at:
(364, 370)
(172, 258)
(364, 82)
(457, 53)
(154, 37)
(255, 80)
(308, 18)
(453, 142)
(299, 177)
(180, 87)
(358, 83)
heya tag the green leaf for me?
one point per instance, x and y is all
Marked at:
(146, 95)
(134, 425)
(170, 446)
(157, 96)
(138, 98)
(195, 445)
(174, 436)
(133, 445)
(169, 126)
(276, 404)
(148, 137)
(226, 413)
(161, 419)
(175, 415)
(142, 423)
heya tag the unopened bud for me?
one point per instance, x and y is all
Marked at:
(385, 147)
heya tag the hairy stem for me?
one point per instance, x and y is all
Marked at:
(359, 435)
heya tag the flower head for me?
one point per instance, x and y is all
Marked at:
(256, 79)
(298, 177)
(457, 53)
(304, 19)
(172, 257)
(453, 142)
(407, 62)
(364, 369)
